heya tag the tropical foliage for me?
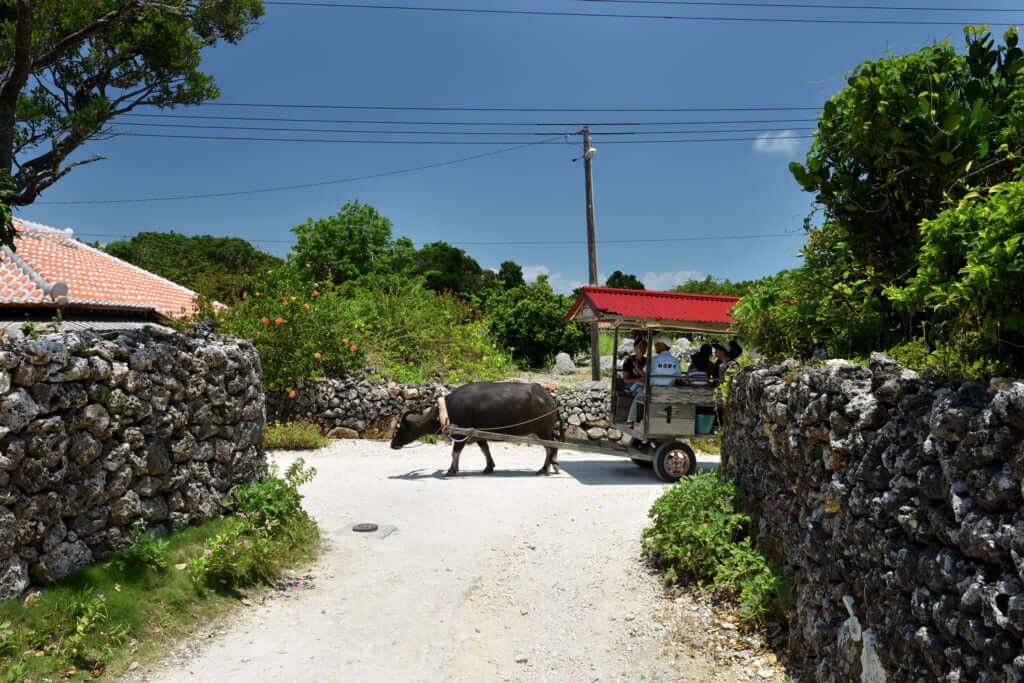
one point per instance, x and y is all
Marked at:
(530, 321)
(902, 159)
(71, 66)
(219, 268)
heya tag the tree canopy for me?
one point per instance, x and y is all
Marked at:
(621, 280)
(355, 241)
(70, 66)
(902, 157)
(219, 268)
(448, 269)
(717, 287)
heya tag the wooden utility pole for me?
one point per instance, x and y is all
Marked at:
(595, 346)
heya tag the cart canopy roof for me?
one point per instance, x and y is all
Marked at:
(641, 309)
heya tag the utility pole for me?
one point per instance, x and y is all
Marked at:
(595, 346)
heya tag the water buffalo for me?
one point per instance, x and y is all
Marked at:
(503, 407)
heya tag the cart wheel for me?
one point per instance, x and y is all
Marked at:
(673, 460)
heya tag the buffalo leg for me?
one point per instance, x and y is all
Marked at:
(456, 449)
(550, 461)
(487, 454)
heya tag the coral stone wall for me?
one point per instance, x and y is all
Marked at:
(900, 493)
(99, 432)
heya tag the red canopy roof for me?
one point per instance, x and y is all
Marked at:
(656, 308)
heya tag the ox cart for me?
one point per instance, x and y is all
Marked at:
(667, 418)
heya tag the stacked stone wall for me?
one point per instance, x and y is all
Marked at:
(361, 405)
(102, 432)
(893, 504)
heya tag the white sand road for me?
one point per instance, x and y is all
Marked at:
(507, 576)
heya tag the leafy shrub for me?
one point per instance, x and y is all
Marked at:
(146, 552)
(420, 335)
(267, 522)
(300, 432)
(393, 323)
(530, 321)
(300, 329)
(697, 535)
(971, 276)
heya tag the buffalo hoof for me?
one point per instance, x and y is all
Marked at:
(451, 473)
(555, 467)
(543, 471)
(488, 470)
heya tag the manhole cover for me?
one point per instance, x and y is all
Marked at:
(364, 528)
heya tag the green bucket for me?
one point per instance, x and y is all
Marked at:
(705, 423)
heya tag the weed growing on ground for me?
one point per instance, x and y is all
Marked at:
(698, 535)
(294, 434)
(156, 590)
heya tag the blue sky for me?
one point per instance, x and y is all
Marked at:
(725, 209)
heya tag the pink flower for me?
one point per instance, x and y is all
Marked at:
(316, 355)
(353, 347)
(207, 551)
(264, 320)
(279, 321)
(306, 306)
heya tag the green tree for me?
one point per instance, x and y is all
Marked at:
(716, 287)
(220, 268)
(621, 280)
(907, 138)
(354, 242)
(530, 321)
(511, 275)
(70, 66)
(449, 269)
(971, 276)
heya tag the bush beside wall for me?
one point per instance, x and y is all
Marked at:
(899, 492)
(100, 432)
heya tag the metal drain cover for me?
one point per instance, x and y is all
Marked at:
(364, 528)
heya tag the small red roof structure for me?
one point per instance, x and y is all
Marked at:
(642, 309)
(49, 269)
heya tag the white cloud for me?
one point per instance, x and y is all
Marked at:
(666, 281)
(530, 273)
(558, 283)
(782, 142)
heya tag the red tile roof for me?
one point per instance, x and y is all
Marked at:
(636, 304)
(46, 256)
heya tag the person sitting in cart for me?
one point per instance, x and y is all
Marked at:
(633, 367)
(665, 370)
(697, 375)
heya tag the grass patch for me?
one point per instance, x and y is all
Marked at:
(295, 434)
(698, 536)
(135, 603)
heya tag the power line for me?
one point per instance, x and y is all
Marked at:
(561, 124)
(452, 133)
(336, 181)
(789, 5)
(618, 110)
(658, 17)
(527, 243)
(249, 138)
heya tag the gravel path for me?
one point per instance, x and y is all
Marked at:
(507, 576)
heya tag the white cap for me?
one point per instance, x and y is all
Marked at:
(663, 340)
